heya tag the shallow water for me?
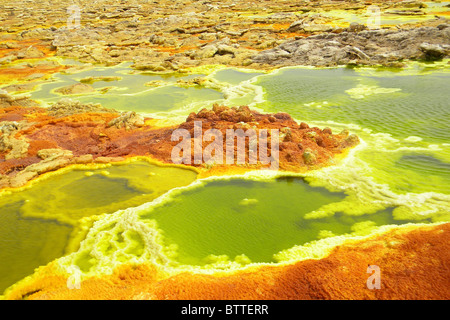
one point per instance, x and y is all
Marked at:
(234, 76)
(130, 91)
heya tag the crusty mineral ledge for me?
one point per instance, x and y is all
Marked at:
(413, 262)
(36, 140)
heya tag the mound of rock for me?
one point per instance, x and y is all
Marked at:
(8, 100)
(77, 88)
(127, 120)
(30, 53)
(300, 146)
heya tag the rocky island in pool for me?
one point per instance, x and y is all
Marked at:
(224, 150)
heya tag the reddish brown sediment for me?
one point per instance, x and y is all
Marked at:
(99, 135)
(18, 113)
(413, 262)
(294, 139)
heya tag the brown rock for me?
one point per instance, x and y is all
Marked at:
(50, 153)
(219, 109)
(22, 178)
(206, 114)
(67, 107)
(127, 120)
(244, 114)
(228, 115)
(304, 125)
(191, 117)
(108, 159)
(30, 53)
(351, 141)
(283, 116)
(86, 158)
(309, 158)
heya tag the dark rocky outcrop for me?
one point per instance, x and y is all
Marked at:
(368, 47)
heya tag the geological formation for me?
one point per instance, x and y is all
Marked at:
(362, 47)
(155, 37)
(36, 140)
(415, 253)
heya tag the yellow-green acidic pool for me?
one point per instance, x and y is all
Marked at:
(398, 174)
